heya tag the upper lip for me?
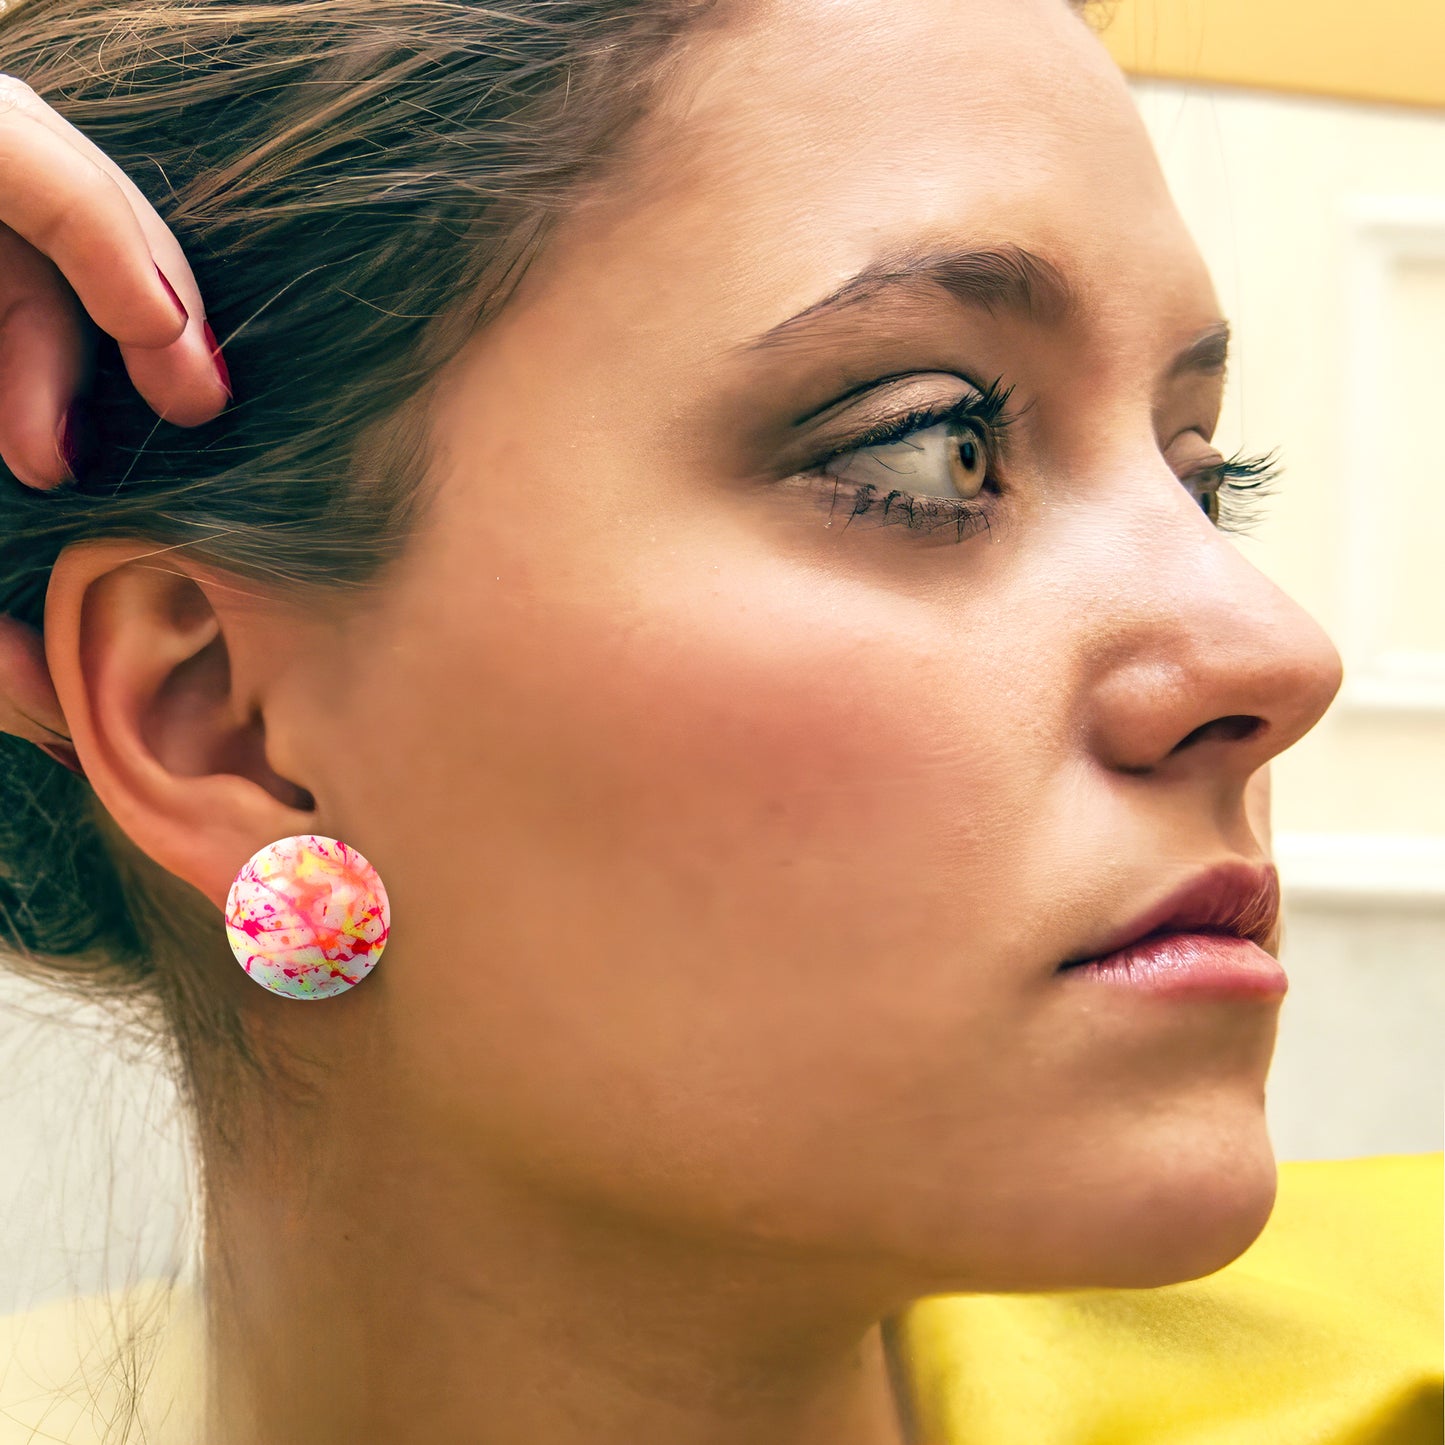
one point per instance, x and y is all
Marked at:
(1237, 897)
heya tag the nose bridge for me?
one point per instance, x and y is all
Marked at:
(1192, 650)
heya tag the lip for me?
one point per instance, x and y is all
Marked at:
(1192, 964)
(1237, 899)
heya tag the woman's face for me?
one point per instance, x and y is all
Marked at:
(733, 841)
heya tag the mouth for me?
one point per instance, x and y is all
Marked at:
(1235, 899)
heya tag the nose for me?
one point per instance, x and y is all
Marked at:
(1197, 660)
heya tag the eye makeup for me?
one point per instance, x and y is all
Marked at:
(972, 429)
(1234, 490)
(976, 421)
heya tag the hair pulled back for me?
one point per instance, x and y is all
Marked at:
(358, 185)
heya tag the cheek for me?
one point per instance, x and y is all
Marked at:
(665, 850)
(778, 758)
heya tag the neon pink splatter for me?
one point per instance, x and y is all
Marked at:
(307, 916)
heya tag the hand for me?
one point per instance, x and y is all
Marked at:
(80, 247)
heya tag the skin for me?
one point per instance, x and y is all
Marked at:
(731, 855)
(78, 239)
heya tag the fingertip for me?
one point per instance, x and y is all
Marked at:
(39, 472)
(181, 384)
(36, 483)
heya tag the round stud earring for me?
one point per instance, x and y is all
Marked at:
(307, 916)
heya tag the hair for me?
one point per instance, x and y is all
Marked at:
(359, 185)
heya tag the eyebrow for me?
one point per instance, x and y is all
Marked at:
(1208, 353)
(1005, 276)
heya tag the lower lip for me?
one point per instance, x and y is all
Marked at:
(1193, 964)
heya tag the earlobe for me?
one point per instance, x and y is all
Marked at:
(172, 742)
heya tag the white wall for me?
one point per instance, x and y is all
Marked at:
(93, 1162)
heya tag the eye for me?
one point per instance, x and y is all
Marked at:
(1205, 483)
(926, 468)
(948, 458)
(1230, 490)
(968, 462)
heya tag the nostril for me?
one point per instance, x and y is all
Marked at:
(1235, 728)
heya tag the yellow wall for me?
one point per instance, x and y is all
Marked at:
(1383, 50)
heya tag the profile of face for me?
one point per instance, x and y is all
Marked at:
(767, 707)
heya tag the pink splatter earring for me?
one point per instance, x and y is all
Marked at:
(307, 917)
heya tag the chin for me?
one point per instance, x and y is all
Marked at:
(1125, 1208)
(1186, 1207)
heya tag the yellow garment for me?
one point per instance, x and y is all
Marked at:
(1326, 1331)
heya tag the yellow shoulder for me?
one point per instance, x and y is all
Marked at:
(1327, 1330)
(1365, 1230)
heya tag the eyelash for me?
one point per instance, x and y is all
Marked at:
(1244, 483)
(1240, 483)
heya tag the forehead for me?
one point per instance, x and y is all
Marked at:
(797, 140)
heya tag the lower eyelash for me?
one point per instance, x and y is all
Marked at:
(917, 511)
(1245, 483)
(986, 411)
(1243, 488)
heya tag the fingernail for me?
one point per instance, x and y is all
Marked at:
(63, 753)
(72, 442)
(171, 292)
(222, 370)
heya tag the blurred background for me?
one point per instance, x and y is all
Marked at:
(1305, 142)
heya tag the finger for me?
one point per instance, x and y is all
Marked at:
(73, 212)
(45, 355)
(29, 707)
(187, 385)
(43, 373)
(41, 360)
(164, 378)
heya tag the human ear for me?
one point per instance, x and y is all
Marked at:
(141, 643)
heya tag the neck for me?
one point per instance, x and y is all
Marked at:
(408, 1300)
